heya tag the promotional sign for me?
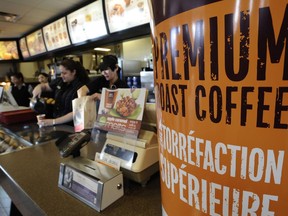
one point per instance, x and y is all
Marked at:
(121, 110)
(221, 84)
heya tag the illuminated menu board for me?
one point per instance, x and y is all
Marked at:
(124, 14)
(87, 23)
(56, 34)
(23, 48)
(8, 50)
(35, 43)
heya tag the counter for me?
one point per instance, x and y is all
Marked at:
(30, 134)
(30, 178)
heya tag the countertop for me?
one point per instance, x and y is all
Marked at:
(30, 177)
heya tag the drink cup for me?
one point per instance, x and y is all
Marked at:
(39, 118)
(110, 98)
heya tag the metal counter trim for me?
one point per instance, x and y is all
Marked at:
(20, 199)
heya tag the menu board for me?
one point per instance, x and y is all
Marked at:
(8, 50)
(56, 34)
(23, 48)
(35, 43)
(87, 23)
(124, 14)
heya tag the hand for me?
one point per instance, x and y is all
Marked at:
(96, 96)
(45, 122)
(37, 91)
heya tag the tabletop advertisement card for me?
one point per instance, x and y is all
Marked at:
(121, 110)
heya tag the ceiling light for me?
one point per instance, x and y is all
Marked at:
(102, 49)
(8, 17)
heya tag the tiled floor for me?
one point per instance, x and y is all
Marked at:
(5, 203)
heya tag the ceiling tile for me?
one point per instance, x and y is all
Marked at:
(32, 13)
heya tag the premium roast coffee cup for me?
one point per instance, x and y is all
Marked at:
(110, 98)
(220, 77)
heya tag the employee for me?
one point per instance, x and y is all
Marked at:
(73, 77)
(20, 90)
(43, 77)
(109, 79)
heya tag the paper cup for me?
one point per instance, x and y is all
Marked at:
(39, 118)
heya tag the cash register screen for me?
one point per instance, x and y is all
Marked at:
(122, 153)
(7, 95)
(1, 93)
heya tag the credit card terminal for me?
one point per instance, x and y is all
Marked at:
(70, 144)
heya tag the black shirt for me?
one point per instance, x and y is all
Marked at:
(21, 95)
(64, 94)
(100, 82)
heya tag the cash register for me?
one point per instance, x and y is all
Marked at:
(10, 112)
(138, 156)
(135, 154)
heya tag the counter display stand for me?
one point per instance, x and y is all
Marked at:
(129, 147)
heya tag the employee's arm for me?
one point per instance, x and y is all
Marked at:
(83, 91)
(64, 119)
(60, 120)
(40, 88)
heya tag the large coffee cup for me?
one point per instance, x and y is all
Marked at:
(221, 75)
(110, 98)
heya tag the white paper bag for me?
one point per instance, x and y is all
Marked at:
(84, 113)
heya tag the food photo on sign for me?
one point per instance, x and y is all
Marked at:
(121, 110)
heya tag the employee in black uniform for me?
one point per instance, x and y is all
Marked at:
(20, 90)
(43, 77)
(73, 77)
(109, 79)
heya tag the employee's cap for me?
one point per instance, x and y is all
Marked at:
(108, 61)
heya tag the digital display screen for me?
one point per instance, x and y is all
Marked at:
(35, 43)
(121, 14)
(56, 34)
(8, 50)
(24, 48)
(121, 153)
(87, 23)
(1, 93)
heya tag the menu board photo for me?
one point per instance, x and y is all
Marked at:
(87, 23)
(23, 48)
(8, 50)
(56, 34)
(124, 14)
(35, 43)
